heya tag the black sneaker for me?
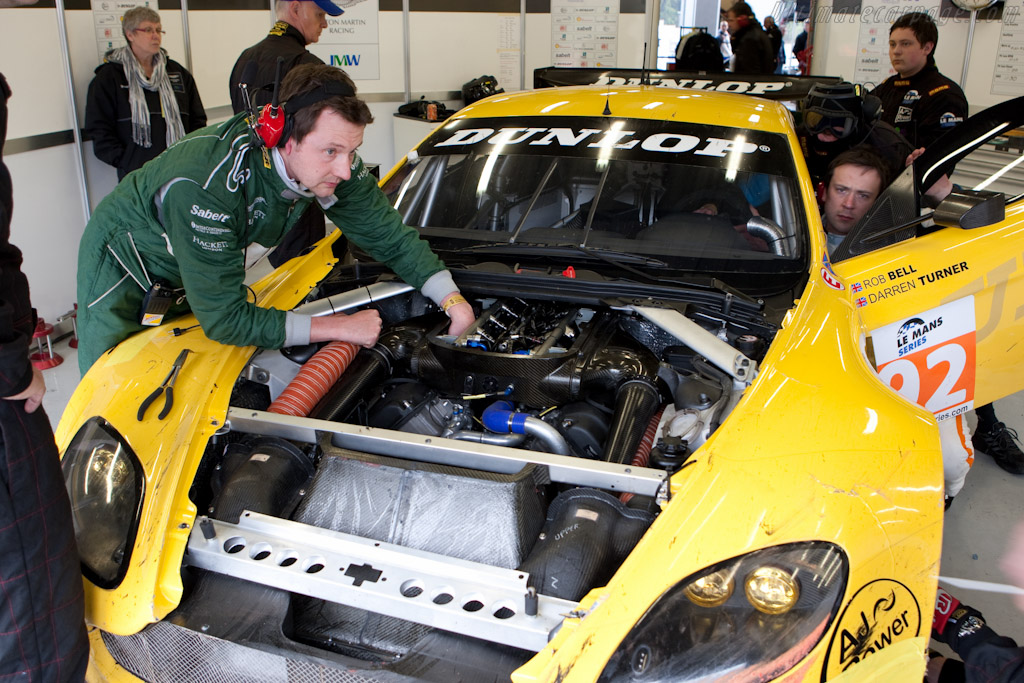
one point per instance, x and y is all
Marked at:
(1000, 442)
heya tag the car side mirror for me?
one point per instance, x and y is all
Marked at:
(970, 209)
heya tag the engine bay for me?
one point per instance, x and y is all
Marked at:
(471, 489)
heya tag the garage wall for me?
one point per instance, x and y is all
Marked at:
(50, 210)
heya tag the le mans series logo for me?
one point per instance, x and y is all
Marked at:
(881, 613)
(913, 334)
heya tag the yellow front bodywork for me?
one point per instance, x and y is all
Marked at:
(170, 449)
(818, 449)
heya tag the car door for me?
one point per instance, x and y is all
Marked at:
(943, 305)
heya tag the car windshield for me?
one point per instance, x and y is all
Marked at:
(689, 196)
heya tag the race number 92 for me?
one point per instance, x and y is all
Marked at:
(930, 358)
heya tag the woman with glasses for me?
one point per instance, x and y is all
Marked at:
(140, 101)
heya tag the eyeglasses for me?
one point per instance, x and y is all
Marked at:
(151, 31)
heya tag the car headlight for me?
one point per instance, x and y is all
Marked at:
(703, 628)
(105, 484)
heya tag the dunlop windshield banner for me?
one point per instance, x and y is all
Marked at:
(616, 138)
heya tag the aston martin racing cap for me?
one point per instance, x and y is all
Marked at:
(327, 6)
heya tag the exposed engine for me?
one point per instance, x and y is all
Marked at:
(593, 397)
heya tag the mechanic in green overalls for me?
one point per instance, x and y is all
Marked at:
(185, 219)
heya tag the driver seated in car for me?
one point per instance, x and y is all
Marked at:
(708, 193)
(855, 179)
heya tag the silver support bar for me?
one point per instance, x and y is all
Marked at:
(435, 449)
(455, 595)
(719, 352)
(76, 129)
(353, 298)
(185, 36)
(406, 56)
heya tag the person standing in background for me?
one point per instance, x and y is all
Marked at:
(751, 46)
(775, 35)
(918, 101)
(923, 105)
(42, 622)
(724, 44)
(140, 102)
(800, 43)
(299, 23)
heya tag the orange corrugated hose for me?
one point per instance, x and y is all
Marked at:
(643, 451)
(314, 379)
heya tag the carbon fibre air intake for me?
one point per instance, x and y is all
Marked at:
(585, 538)
(315, 378)
(635, 402)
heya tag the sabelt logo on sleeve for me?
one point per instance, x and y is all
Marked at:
(209, 215)
(673, 143)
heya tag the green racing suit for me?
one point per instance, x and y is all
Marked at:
(186, 218)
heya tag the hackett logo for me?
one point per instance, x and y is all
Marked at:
(591, 137)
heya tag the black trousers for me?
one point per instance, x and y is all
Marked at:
(42, 627)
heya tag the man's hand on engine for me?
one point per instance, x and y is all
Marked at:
(361, 328)
(462, 317)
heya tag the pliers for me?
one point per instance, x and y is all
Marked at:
(168, 385)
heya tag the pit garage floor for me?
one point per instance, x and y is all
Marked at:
(977, 527)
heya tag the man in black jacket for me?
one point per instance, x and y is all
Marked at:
(299, 23)
(918, 101)
(42, 627)
(751, 46)
(923, 105)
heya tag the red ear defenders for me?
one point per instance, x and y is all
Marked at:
(275, 123)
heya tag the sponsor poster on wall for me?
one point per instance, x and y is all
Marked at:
(1007, 74)
(509, 73)
(351, 41)
(876, 16)
(584, 33)
(106, 18)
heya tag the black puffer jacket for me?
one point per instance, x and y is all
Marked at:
(752, 51)
(108, 116)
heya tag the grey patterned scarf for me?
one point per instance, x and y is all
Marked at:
(141, 130)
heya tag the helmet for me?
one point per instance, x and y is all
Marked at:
(838, 107)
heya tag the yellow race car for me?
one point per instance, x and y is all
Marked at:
(667, 449)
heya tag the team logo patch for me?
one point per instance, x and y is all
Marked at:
(911, 96)
(904, 114)
(948, 120)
